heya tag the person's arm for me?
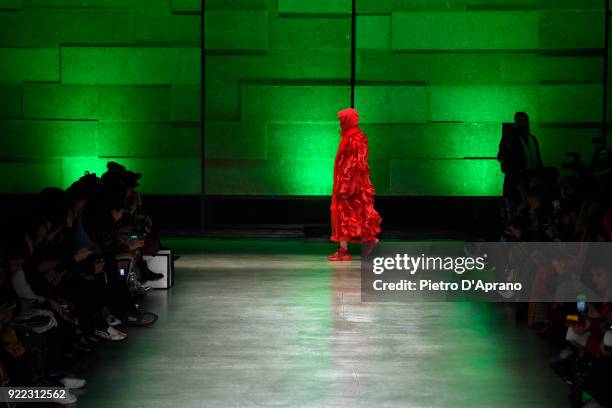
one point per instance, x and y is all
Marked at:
(71, 258)
(538, 155)
(68, 262)
(10, 343)
(502, 150)
(22, 287)
(504, 154)
(353, 166)
(105, 236)
(35, 270)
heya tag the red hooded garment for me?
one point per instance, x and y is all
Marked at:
(353, 217)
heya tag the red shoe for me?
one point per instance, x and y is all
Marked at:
(340, 255)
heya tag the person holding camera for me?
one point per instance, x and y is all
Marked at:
(519, 156)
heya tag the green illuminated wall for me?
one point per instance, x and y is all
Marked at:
(86, 81)
(435, 80)
(437, 77)
(277, 73)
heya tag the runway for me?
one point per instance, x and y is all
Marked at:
(273, 324)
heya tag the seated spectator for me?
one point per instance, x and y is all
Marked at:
(578, 208)
(32, 347)
(60, 286)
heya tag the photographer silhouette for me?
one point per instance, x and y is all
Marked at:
(519, 155)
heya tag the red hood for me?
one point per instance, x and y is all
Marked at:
(349, 119)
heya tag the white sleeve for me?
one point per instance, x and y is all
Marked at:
(22, 287)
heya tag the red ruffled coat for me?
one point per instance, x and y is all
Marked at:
(353, 217)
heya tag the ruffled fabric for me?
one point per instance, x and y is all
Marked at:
(353, 217)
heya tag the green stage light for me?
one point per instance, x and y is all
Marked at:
(434, 81)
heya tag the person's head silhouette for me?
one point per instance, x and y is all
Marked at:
(521, 120)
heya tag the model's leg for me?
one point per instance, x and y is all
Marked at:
(342, 254)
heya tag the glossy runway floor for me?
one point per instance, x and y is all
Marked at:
(273, 324)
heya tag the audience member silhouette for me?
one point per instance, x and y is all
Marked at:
(519, 155)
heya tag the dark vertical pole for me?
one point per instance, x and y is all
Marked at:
(353, 48)
(605, 78)
(203, 118)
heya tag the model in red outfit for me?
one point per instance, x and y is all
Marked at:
(353, 217)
